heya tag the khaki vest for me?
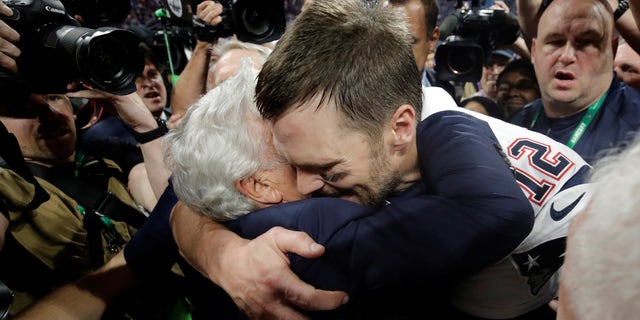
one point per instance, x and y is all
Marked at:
(54, 233)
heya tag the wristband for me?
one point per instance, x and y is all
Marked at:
(144, 137)
(623, 6)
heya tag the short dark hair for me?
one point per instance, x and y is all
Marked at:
(522, 65)
(493, 109)
(357, 54)
(431, 12)
(148, 54)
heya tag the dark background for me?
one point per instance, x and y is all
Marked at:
(142, 10)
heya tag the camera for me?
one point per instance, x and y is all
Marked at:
(255, 21)
(57, 50)
(470, 35)
(99, 13)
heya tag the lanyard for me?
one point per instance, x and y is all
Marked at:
(584, 122)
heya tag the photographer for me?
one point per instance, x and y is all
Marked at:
(91, 208)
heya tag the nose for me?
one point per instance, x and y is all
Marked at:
(513, 91)
(568, 54)
(144, 81)
(307, 183)
(40, 105)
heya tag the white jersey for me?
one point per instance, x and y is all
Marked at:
(551, 175)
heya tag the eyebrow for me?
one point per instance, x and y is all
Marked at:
(309, 166)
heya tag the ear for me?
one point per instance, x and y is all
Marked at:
(259, 190)
(434, 39)
(403, 126)
(614, 44)
(533, 51)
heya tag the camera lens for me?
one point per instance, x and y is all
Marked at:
(256, 20)
(461, 62)
(107, 58)
(111, 59)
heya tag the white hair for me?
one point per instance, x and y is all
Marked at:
(601, 275)
(223, 47)
(218, 142)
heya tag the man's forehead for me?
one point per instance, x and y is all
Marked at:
(579, 9)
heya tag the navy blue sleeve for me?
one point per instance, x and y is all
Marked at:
(152, 249)
(472, 216)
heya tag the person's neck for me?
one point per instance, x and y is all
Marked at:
(564, 110)
(558, 112)
(409, 169)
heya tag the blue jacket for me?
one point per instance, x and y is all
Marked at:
(614, 125)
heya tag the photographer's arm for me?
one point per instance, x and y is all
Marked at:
(132, 110)
(191, 84)
(86, 298)
(627, 27)
(634, 7)
(519, 46)
(254, 273)
(8, 38)
(528, 16)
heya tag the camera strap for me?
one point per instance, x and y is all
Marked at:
(97, 206)
(104, 203)
(11, 158)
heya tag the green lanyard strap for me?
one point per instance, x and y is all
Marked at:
(584, 122)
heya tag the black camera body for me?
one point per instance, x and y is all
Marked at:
(255, 21)
(99, 13)
(470, 35)
(56, 50)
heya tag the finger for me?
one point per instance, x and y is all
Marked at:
(5, 10)
(8, 33)
(279, 311)
(553, 304)
(307, 297)
(296, 242)
(208, 8)
(213, 21)
(8, 63)
(202, 6)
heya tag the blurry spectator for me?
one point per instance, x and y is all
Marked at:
(517, 86)
(490, 71)
(421, 17)
(627, 64)
(485, 106)
(529, 13)
(229, 56)
(582, 104)
(600, 277)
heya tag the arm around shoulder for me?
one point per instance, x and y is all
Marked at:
(259, 266)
